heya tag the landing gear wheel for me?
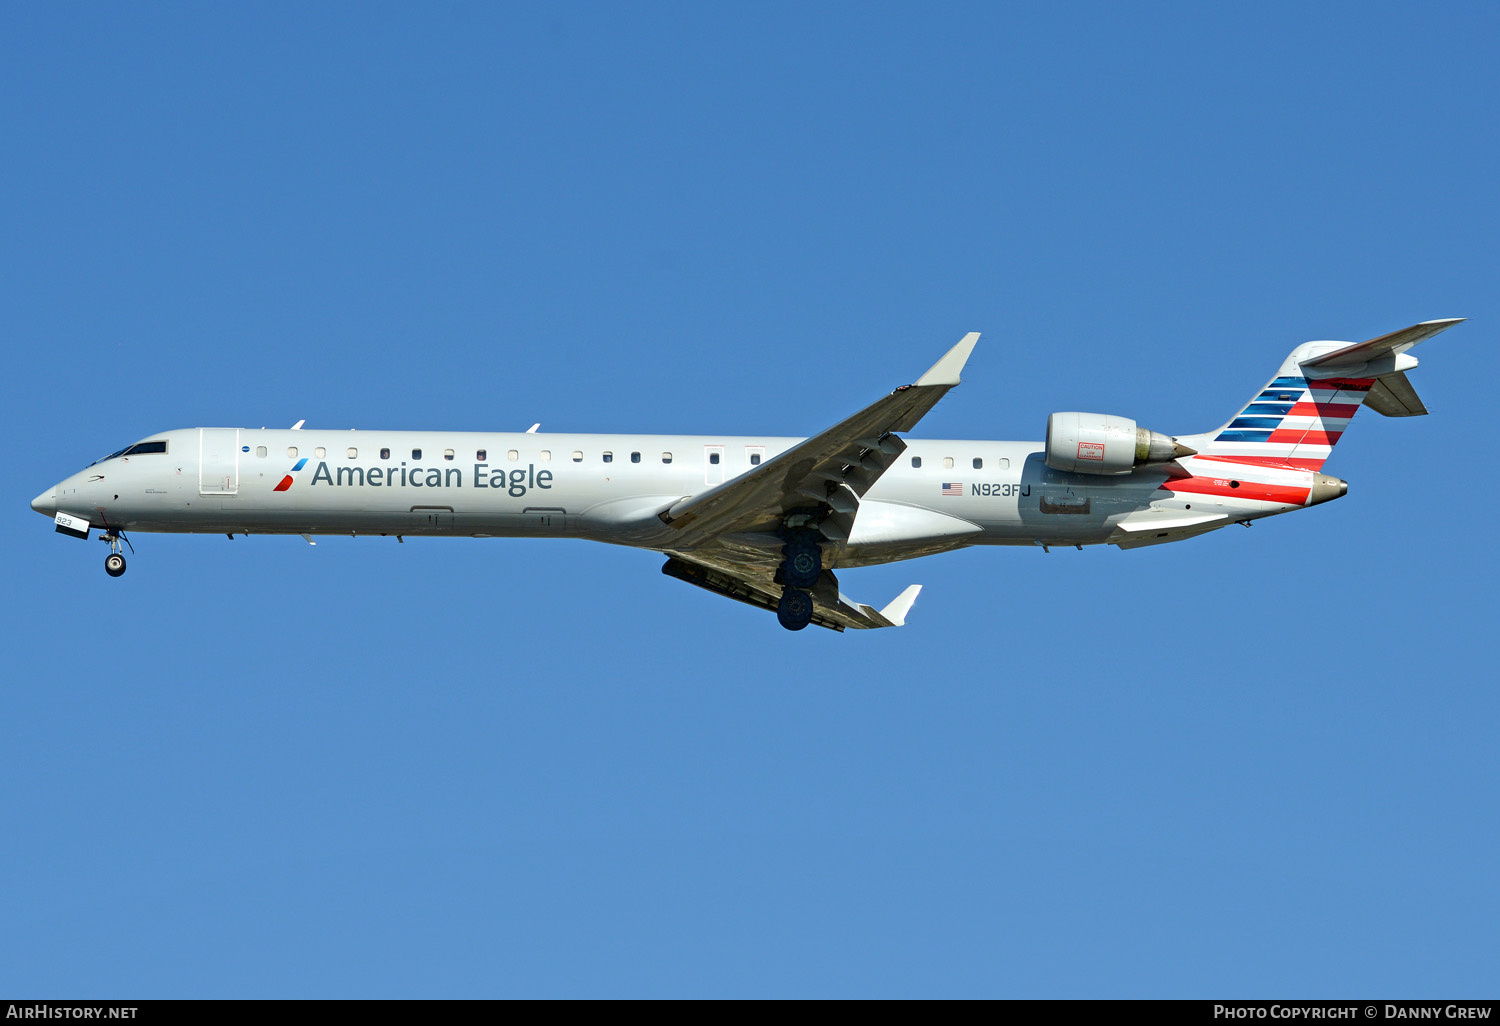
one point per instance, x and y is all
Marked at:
(803, 565)
(114, 564)
(795, 609)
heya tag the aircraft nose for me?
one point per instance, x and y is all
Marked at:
(46, 503)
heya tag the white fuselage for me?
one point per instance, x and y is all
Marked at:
(939, 494)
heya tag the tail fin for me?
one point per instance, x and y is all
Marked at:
(1299, 416)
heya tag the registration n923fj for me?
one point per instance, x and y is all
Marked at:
(770, 521)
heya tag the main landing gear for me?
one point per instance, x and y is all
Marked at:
(795, 609)
(801, 566)
(114, 563)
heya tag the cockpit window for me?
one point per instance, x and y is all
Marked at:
(138, 449)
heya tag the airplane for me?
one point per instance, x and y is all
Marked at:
(765, 520)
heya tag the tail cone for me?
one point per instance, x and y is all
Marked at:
(1326, 487)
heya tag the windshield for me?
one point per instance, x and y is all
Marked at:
(138, 449)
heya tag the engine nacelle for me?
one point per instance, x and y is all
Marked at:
(1096, 443)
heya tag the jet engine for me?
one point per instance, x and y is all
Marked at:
(1096, 443)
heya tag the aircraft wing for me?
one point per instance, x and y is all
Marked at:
(832, 469)
(752, 583)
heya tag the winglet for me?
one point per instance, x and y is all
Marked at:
(945, 371)
(901, 604)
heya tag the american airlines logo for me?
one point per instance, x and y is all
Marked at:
(516, 482)
(286, 482)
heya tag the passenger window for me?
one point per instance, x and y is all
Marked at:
(916, 461)
(978, 463)
(447, 454)
(291, 452)
(609, 457)
(416, 454)
(947, 462)
(482, 455)
(320, 452)
(385, 454)
(755, 459)
(666, 457)
(1003, 463)
(513, 455)
(713, 458)
(635, 457)
(353, 453)
(577, 456)
(260, 450)
(545, 454)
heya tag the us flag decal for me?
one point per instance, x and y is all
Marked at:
(953, 487)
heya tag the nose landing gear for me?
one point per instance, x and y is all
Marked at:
(114, 563)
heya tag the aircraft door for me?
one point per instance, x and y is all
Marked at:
(713, 464)
(218, 461)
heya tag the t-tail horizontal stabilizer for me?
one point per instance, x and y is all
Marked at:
(1385, 359)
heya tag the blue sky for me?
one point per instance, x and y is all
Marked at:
(1259, 763)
